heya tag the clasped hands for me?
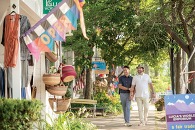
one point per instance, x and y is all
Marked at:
(131, 93)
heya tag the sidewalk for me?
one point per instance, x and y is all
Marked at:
(117, 122)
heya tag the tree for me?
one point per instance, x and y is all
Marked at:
(123, 30)
(181, 28)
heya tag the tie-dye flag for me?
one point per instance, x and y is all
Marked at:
(52, 27)
(82, 2)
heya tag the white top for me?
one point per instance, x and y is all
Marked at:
(141, 85)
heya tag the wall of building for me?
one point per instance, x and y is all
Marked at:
(33, 10)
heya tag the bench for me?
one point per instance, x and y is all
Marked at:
(91, 109)
(101, 110)
(85, 101)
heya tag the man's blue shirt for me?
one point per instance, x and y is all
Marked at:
(126, 82)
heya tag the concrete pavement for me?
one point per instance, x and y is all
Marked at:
(112, 122)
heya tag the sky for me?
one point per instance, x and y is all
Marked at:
(187, 98)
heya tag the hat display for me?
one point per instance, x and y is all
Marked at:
(140, 66)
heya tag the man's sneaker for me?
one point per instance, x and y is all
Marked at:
(128, 124)
(146, 121)
(141, 124)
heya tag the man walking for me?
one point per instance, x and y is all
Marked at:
(124, 87)
(140, 84)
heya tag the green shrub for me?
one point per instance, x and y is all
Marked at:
(110, 102)
(161, 84)
(19, 114)
(68, 121)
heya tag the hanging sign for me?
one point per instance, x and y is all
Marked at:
(48, 5)
(99, 65)
(180, 111)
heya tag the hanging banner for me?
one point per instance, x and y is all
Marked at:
(180, 111)
(48, 5)
(52, 27)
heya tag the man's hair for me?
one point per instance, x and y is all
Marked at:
(126, 66)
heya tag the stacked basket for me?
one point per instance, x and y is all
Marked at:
(55, 86)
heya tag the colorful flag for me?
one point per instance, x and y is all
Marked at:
(52, 27)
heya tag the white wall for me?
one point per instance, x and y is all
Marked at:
(35, 5)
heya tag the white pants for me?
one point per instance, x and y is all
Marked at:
(142, 104)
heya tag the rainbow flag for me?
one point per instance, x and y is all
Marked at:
(82, 2)
(52, 27)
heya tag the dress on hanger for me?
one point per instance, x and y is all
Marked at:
(10, 40)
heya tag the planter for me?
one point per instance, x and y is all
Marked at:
(51, 57)
(59, 105)
(160, 108)
(51, 79)
(58, 90)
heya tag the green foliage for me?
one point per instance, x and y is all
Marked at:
(161, 83)
(68, 121)
(19, 114)
(111, 103)
(122, 30)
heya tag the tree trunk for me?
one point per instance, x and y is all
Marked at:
(88, 89)
(178, 70)
(171, 50)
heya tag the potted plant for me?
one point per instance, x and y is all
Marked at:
(51, 78)
(159, 104)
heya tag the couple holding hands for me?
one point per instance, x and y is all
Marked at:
(137, 86)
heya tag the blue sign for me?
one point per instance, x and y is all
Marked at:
(180, 111)
(99, 65)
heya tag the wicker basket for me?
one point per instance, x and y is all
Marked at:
(58, 90)
(68, 76)
(67, 68)
(62, 105)
(51, 79)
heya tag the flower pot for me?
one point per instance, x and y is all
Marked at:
(59, 105)
(160, 108)
(51, 79)
(58, 90)
(51, 57)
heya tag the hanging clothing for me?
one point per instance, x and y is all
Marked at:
(2, 83)
(24, 55)
(24, 26)
(10, 40)
(9, 78)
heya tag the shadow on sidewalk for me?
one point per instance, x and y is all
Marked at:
(111, 122)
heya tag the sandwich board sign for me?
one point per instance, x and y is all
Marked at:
(180, 111)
